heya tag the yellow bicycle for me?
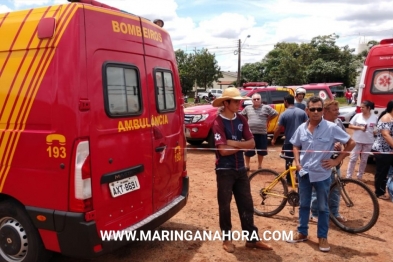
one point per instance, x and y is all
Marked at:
(354, 199)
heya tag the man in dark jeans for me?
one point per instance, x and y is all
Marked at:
(290, 120)
(232, 134)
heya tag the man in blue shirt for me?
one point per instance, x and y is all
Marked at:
(232, 134)
(290, 120)
(313, 146)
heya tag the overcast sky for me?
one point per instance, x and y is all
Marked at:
(218, 24)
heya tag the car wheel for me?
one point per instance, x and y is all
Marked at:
(19, 238)
(210, 140)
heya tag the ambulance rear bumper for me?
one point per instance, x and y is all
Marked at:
(77, 238)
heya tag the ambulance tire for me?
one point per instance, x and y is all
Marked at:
(17, 228)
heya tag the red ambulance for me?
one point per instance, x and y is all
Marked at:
(91, 129)
(376, 81)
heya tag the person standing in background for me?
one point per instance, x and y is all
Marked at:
(258, 116)
(300, 93)
(290, 120)
(348, 96)
(363, 125)
(383, 144)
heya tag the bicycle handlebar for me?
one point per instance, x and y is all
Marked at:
(287, 157)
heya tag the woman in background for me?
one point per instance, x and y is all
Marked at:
(364, 124)
(383, 144)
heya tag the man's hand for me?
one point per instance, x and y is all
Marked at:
(330, 163)
(337, 146)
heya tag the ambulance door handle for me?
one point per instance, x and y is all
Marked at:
(160, 149)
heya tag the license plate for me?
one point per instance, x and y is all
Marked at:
(124, 186)
(188, 132)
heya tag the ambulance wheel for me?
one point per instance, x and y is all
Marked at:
(19, 239)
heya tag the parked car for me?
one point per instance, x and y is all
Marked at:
(215, 92)
(199, 119)
(346, 113)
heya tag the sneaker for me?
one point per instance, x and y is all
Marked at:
(384, 197)
(258, 245)
(341, 219)
(228, 246)
(298, 237)
(314, 219)
(324, 245)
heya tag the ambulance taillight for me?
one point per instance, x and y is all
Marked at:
(80, 184)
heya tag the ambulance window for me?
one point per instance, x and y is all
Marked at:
(123, 91)
(382, 82)
(165, 91)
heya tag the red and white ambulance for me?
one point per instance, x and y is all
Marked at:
(91, 129)
(376, 82)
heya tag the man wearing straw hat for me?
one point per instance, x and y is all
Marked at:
(232, 135)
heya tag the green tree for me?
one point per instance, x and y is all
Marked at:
(320, 60)
(185, 64)
(206, 68)
(252, 72)
(283, 65)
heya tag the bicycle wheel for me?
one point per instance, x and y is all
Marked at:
(267, 203)
(357, 205)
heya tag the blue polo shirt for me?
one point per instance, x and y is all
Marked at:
(317, 147)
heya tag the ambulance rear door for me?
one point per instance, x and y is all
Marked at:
(120, 130)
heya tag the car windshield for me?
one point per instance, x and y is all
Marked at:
(244, 92)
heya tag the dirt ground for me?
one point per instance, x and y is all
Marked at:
(201, 213)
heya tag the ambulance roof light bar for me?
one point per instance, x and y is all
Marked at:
(386, 41)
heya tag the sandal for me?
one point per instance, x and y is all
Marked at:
(384, 197)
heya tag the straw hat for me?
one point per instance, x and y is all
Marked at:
(229, 93)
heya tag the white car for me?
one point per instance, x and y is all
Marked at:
(346, 113)
(215, 92)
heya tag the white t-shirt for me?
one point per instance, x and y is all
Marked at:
(360, 136)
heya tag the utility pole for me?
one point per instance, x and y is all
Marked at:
(239, 58)
(238, 63)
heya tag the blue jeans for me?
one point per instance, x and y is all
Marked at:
(334, 199)
(322, 191)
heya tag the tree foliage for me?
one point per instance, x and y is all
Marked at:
(320, 60)
(252, 72)
(185, 65)
(206, 68)
(200, 67)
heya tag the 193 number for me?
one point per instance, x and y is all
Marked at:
(56, 152)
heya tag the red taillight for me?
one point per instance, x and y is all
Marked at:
(80, 180)
(358, 110)
(86, 168)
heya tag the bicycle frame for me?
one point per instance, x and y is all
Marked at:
(292, 172)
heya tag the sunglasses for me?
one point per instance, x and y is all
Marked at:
(256, 99)
(313, 109)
